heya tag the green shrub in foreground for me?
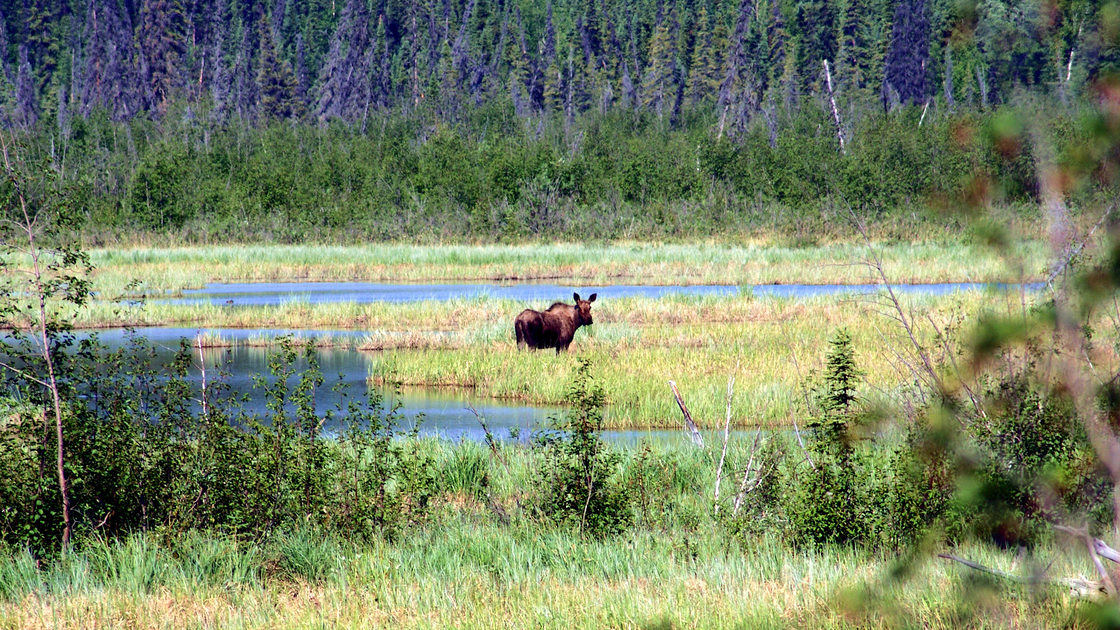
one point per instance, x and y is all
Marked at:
(581, 480)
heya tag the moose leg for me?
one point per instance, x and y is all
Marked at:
(519, 330)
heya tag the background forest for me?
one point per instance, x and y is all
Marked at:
(495, 119)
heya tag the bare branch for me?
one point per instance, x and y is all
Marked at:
(726, 435)
(695, 430)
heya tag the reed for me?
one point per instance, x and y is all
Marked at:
(637, 345)
(484, 560)
(160, 271)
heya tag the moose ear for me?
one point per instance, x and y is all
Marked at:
(592, 298)
(576, 296)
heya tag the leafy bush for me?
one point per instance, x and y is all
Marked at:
(581, 472)
(143, 456)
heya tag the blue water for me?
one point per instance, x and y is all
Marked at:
(275, 293)
(445, 413)
(442, 412)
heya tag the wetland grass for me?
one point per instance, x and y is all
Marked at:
(685, 569)
(157, 271)
(636, 344)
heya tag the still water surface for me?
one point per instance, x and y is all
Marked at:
(442, 412)
(275, 293)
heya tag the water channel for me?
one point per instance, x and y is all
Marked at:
(443, 412)
(276, 293)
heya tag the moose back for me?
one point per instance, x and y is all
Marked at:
(554, 327)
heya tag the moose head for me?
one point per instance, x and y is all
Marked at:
(583, 309)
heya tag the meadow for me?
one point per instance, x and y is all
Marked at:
(246, 524)
(485, 559)
(159, 270)
(771, 346)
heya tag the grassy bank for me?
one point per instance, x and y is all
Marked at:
(158, 270)
(484, 559)
(471, 576)
(638, 344)
(770, 345)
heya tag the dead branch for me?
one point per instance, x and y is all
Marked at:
(726, 436)
(489, 435)
(746, 475)
(1077, 586)
(808, 409)
(696, 437)
(1099, 546)
(1077, 249)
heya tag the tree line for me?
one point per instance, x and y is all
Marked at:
(258, 60)
(498, 118)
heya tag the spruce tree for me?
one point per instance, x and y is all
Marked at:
(707, 60)
(25, 108)
(816, 39)
(162, 45)
(735, 90)
(659, 86)
(552, 78)
(43, 30)
(276, 81)
(344, 89)
(859, 55)
(907, 58)
(520, 70)
(106, 76)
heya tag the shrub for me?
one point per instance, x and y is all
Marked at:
(581, 485)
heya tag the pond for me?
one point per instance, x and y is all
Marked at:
(275, 293)
(442, 412)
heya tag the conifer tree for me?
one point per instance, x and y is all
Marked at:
(552, 79)
(245, 96)
(43, 30)
(906, 63)
(777, 40)
(106, 73)
(25, 106)
(520, 73)
(303, 81)
(276, 81)
(5, 71)
(816, 39)
(734, 90)
(382, 81)
(707, 61)
(162, 47)
(659, 86)
(859, 56)
(344, 81)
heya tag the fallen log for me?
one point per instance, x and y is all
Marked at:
(1077, 587)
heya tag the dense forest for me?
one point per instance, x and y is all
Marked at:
(505, 119)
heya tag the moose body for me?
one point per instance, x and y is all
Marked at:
(554, 327)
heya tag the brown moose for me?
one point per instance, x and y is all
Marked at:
(552, 328)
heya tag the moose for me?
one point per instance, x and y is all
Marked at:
(554, 327)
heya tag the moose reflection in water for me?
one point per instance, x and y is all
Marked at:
(553, 328)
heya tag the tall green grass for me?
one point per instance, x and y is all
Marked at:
(160, 270)
(771, 345)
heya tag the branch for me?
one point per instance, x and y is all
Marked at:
(808, 409)
(24, 374)
(726, 435)
(1077, 586)
(696, 437)
(1073, 252)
